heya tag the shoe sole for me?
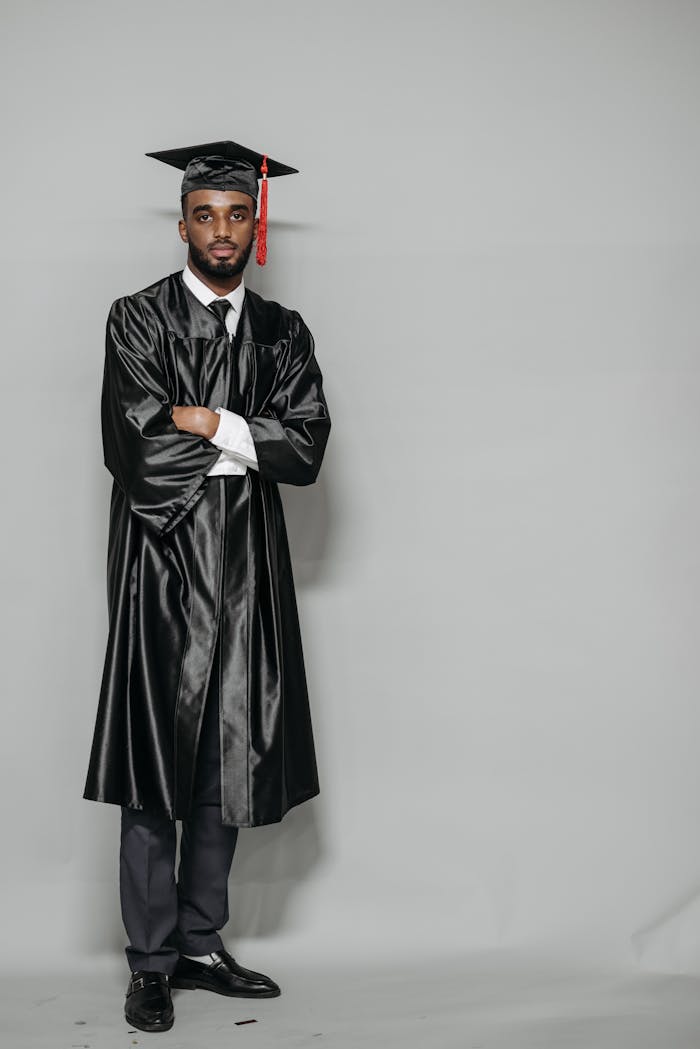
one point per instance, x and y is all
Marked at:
(194, 985)
(152, 1028)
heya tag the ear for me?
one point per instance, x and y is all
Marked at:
(183, 230)
(255, 229)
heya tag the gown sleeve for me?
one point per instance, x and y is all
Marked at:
(160, 469)
(290, 436)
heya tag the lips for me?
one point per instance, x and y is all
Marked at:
(222, 251)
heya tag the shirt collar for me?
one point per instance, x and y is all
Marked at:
(206, 296)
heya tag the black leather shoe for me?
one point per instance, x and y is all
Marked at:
(148, 1004)
(224, 976)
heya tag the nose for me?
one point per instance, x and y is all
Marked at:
(221, 229)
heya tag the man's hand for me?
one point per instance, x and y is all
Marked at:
(196, 419)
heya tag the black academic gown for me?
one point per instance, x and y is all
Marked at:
(190, 555)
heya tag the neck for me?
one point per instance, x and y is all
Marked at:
(222, 286)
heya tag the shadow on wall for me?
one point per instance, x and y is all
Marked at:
(270, 864)
(308, 517)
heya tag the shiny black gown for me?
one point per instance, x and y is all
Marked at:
(191, 555)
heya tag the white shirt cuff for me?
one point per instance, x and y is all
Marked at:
(233, 437)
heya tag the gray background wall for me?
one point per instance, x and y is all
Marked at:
(494, 239)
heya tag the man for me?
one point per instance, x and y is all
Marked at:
(211, 397)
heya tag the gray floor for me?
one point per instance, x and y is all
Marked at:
(486, 1002)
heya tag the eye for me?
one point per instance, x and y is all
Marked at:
(203, 217)
(237, 215)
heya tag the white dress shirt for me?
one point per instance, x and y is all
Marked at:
(232, 434)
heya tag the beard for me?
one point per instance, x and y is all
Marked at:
(222, 267)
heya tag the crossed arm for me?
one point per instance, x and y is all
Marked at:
(228, 430)
(160, 454)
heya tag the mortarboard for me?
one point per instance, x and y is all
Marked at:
(225, 166)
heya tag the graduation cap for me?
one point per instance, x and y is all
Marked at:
(227, 165)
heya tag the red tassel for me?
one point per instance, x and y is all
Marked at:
(261, 255)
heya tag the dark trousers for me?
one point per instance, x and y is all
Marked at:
(164, 917)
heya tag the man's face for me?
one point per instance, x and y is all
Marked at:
(219, 227)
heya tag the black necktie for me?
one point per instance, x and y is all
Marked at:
(220, 307)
